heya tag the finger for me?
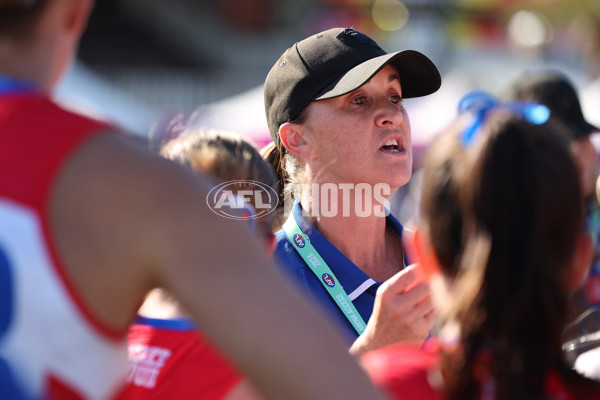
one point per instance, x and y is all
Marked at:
(415, 295)
(424, 308)
(401, 280)
(421, 317)
(431, 318)
(413, 312)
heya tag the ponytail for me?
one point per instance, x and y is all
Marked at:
(522, 209)
(275, 156)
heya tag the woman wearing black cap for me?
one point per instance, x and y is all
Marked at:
(342, 147)
(90, 222)
(555, 90)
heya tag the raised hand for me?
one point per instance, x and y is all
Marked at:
(403, 311)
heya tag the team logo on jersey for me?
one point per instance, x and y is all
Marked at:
(328, 279)
(146, 363)
(299, 240)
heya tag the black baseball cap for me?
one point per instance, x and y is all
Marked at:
(335, 62)
(554, 90)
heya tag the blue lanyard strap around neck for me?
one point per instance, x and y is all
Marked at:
(319, 267)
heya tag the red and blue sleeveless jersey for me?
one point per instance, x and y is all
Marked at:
(52, 346)
(172, 359)
(410, 371)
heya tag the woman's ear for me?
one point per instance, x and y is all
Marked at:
(78, 15)
(294, 139)
(582, 259)
(424, 253)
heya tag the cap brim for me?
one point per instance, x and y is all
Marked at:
(418, 75)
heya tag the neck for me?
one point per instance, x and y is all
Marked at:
(23, 69)
(359, 232)
(160, 304)
(41, 55)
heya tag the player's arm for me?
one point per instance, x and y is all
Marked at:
(153, 219)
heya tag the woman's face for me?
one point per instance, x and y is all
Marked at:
(363, 136)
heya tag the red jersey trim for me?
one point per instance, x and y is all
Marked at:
(40, 110)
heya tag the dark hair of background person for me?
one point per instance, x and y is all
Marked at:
(518, 188)
(228, 157)
(18, 16)
(440, 202)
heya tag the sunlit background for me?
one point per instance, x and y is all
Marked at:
(144, 63)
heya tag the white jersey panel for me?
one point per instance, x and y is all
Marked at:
(42, 304)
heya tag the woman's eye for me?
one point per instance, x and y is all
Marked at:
(359, 101)
(396, 99)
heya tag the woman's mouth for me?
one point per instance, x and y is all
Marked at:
(392, 146)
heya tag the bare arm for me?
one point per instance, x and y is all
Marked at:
(243, 391)
(149, 226)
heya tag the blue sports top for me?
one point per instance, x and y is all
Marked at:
(358, 286)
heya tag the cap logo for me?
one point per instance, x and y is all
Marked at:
(351, 37)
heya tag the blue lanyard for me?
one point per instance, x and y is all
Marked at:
(319, 267)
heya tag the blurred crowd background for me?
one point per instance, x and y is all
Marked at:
(142, 61)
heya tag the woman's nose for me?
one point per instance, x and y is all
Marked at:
(389, 113)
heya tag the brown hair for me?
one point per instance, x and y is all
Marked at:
(225, 155)
(440, 203)
(272, 154)
(286, 169)
(516, 190)
(18, 16)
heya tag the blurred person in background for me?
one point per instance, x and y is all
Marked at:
(502, 237)
(556, 91)
(584, 349)
(91, 222)
(342, 146)
(189, 366)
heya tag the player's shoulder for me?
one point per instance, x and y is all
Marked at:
(116, 159)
